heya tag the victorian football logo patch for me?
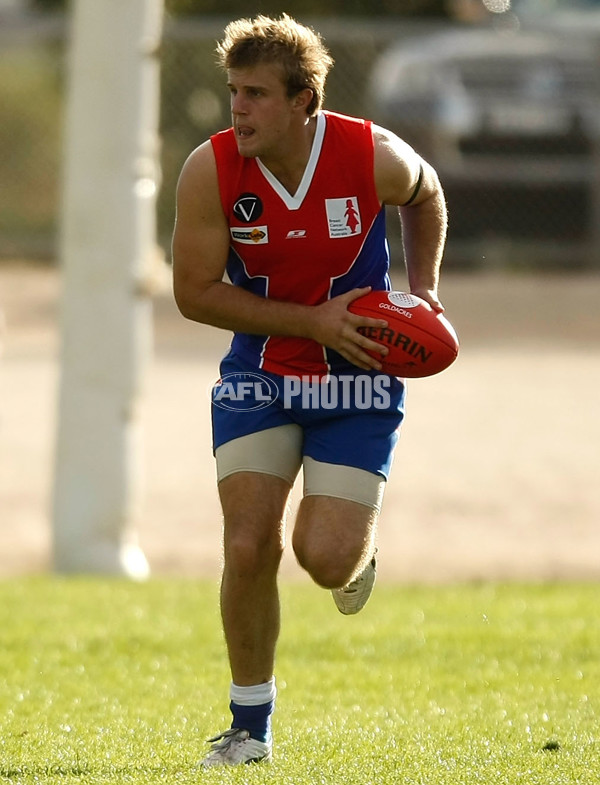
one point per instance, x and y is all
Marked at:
(343, 216)
(248, 208)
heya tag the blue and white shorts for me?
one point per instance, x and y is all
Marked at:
(342, 430)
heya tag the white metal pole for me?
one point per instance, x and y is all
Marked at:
(108, 238)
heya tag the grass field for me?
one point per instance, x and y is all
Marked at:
(112, 682)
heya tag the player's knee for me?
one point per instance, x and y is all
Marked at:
(327, 569)
(251, 554)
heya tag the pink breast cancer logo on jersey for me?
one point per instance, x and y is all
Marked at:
(343, 216)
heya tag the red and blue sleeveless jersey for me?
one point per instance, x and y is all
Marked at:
(327, 238)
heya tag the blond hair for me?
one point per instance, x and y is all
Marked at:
(299, 51)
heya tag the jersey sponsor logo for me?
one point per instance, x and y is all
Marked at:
(295, 234)
(248, 208)
(257, 235)
(343, 216)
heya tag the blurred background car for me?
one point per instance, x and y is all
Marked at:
(510, 117)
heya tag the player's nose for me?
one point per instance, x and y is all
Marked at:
(237, 104)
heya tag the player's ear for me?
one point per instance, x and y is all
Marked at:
(303, 98)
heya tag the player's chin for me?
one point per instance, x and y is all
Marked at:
(246, 153)
(247, 147)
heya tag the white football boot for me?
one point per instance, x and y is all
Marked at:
(352, 598)
(236, 746)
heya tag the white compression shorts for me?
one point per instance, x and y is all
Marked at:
(278, 451)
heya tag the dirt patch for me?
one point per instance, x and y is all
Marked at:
(497, 474)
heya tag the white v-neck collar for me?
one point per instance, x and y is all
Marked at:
(295, 202)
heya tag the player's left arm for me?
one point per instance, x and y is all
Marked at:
(404, 179)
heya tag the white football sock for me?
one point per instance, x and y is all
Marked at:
(255, 695)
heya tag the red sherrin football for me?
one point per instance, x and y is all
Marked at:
(421, 342)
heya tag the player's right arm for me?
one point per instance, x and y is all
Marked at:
(404, 179)
(200, 241)
(200, 250)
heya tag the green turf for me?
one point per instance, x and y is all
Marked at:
(112, 682)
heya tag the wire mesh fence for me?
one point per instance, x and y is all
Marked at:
(511, 123)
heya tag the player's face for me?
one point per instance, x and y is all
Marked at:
(263, 116)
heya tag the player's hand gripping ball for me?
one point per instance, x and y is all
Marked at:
(421, 342)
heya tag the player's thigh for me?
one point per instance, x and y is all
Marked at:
(342, 528)
(255, 475)
(254, 506)
(333, 539)
(337, 517)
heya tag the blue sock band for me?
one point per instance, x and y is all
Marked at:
(255, 719)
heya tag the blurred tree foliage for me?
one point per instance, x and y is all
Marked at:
(49, 5)
(310, 7)
(300, 8)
